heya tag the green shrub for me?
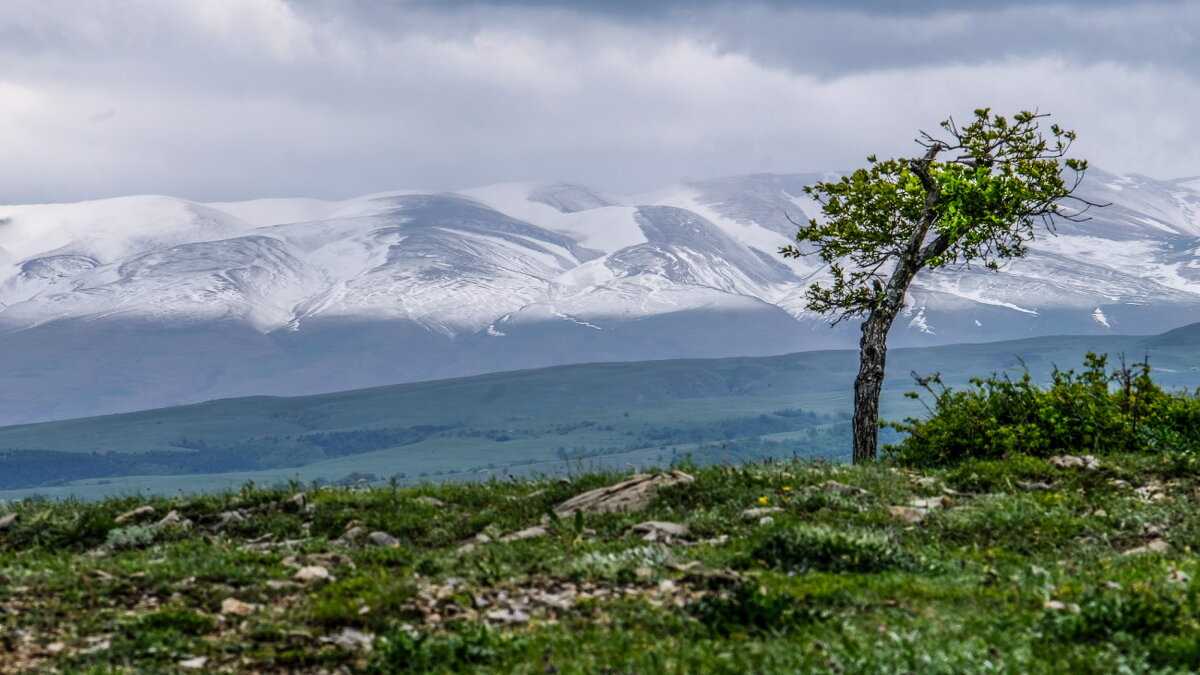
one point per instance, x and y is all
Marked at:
(133, 536)
(620, 565)
(1097, 410)
(1104, 614)
(803, 548)
(406, 650)
(751, 610)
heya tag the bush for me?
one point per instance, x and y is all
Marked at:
(748, 609)
(1097, 410)
(806, 548)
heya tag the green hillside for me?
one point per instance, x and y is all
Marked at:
(550, 420)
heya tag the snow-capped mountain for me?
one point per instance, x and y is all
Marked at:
(139, 302)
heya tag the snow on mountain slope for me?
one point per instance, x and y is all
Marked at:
(298, 296)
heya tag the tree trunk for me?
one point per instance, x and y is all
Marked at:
(872, 359)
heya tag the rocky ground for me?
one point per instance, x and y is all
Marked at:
(1076, 563)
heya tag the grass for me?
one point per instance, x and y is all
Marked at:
(996, 577)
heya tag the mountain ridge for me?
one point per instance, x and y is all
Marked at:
(294, 296)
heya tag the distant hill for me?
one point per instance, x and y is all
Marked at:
(547, 420)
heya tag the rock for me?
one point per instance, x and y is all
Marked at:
(7, 521)
(135, 514)
(761, 511)
(1155, 546)
(311, 573)
(1033, 486)
(1175, 576)
(237, 607)
(834, 487)
(766, 520)
(908, 514)
(173, 518)
(657, 529)
(508, 616)
(1087, 462)
(634, 494)
(431, 501)
(1060, 606)
(280, 585)
(932, 503)
(382, 539)
(351, 537)
(226, 518)
(298, 502)
(926, 481)
(196, 663)
(351, 640)
(527, 533)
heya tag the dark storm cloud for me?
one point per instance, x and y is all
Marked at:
(227, 99)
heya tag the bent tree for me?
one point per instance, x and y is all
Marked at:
(975, 195)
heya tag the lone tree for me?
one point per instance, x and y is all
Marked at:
(974, 196)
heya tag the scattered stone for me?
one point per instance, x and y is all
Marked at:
(766, 520)
(237, 607)
(932, 503)
(1033, 486)
(1151, 492)
(297, 502)
(759, 512)
(226, 518)
(326, 560)
(351, 640)
(926, 481)
(352, 536)
(1112, 585)
(7, 521)
(431, 501)
(174, 518)
(837, 488)
(655, 530)
(527, 533)
(908, 514)
(195, 663)
(1155, 546)
(1060, 606)
(311, 573)
(135, 514)
(55, 648)
(383, 539)
(1099, 513)
(1086, 462)
(630, 495)
(1175, 576)
(280, 585)
(508, 616)
(1151, 530)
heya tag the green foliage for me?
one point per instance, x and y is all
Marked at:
(1096, 410)
(804, 548)
(980, 206)
(411, 652)
(748, 608)
(618, 565)
(133, 536)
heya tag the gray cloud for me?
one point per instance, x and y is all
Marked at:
(230, 99)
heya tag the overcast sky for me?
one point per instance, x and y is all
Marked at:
(236, 99)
